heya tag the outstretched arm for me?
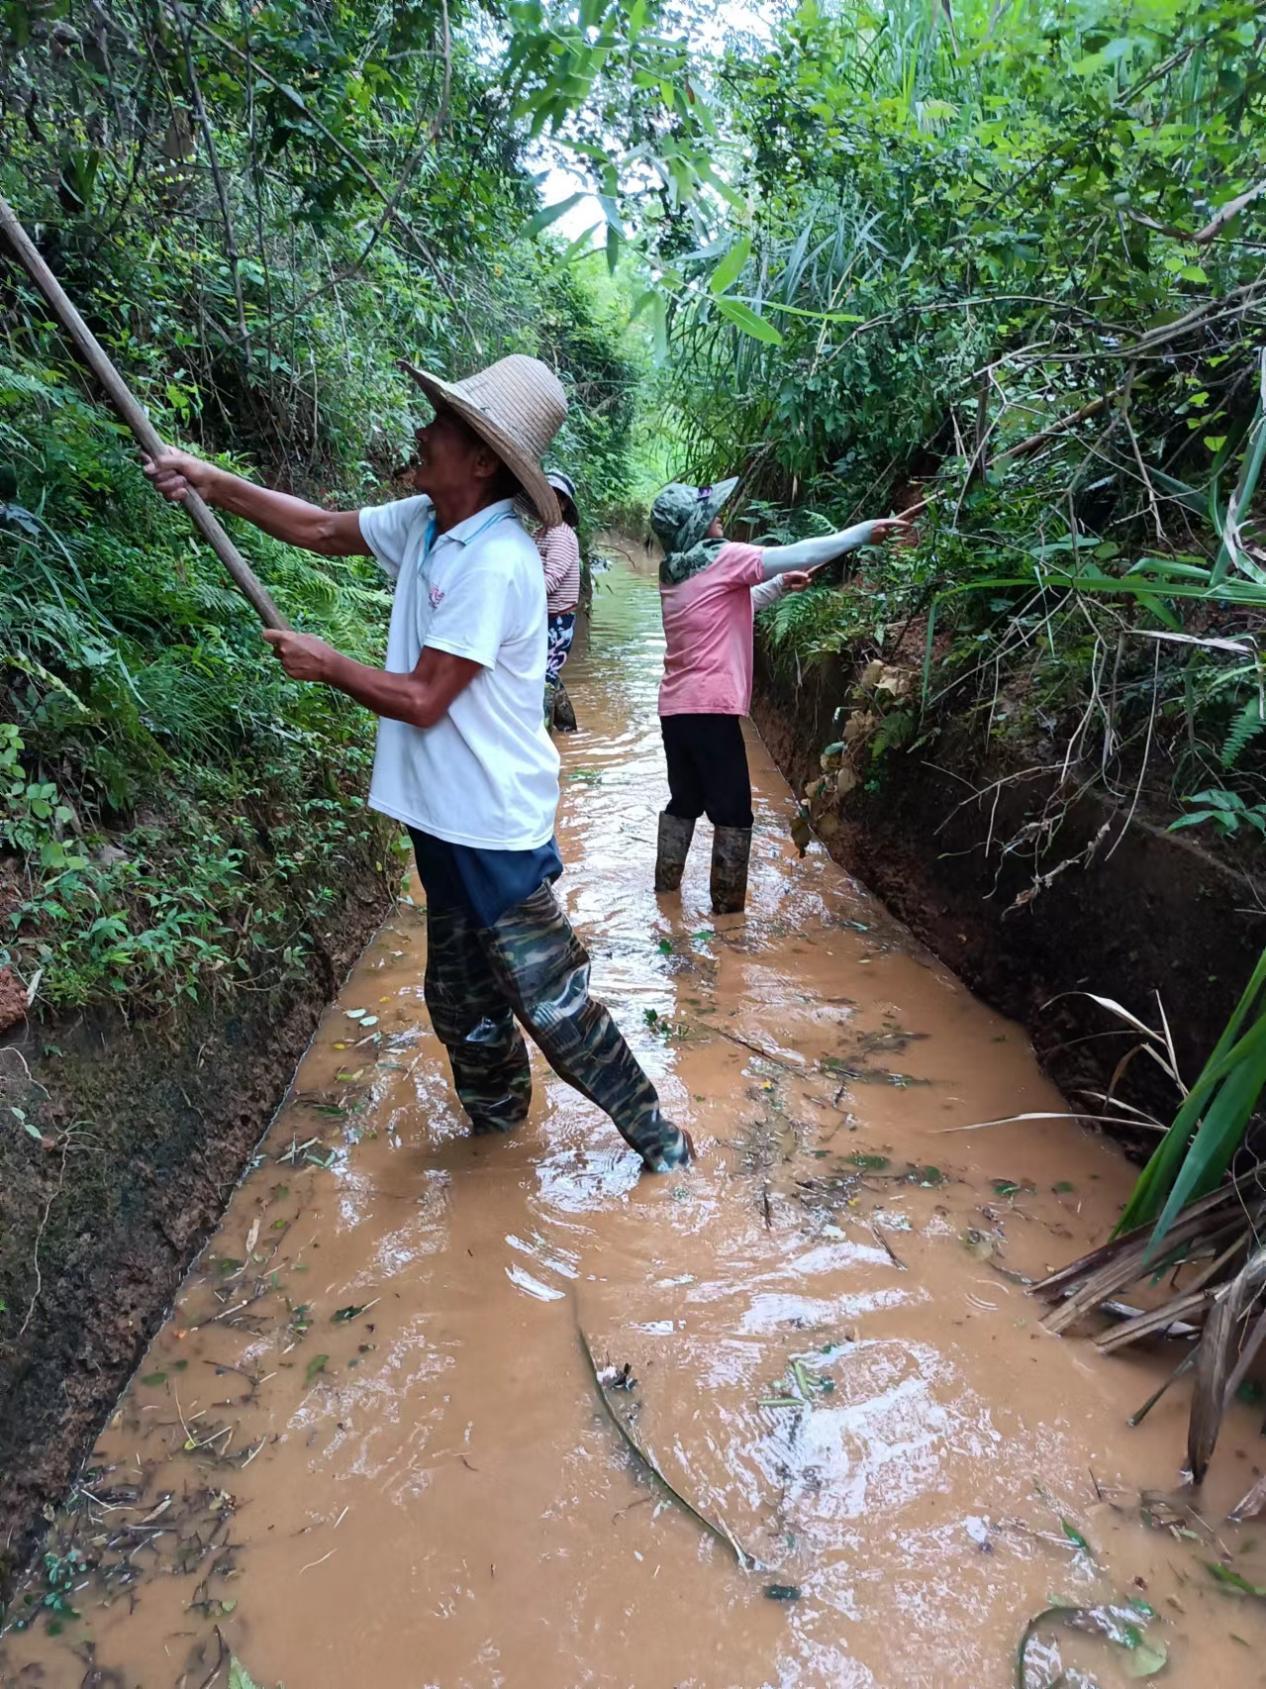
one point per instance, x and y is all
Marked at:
(809, 554)
(330, 533)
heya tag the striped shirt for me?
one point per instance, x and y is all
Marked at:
(560, 553)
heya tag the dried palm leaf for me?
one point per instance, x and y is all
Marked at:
(1219, 1347)
(1156, 1322)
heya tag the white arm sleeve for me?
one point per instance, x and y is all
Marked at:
(807, 554)
(768, 592)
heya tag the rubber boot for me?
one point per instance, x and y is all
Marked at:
(675, 835)
(731, 848)
(475, 1023)
(564, 714)
(543, 969)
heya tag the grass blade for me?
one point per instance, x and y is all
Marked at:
(713, 1527)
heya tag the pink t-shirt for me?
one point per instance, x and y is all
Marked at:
(708, 628)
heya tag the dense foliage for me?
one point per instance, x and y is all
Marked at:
(258, 210)
(962, 228)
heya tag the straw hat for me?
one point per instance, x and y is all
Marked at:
(516, 406)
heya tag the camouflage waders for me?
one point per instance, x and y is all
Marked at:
(475, 1024)
(530, 963)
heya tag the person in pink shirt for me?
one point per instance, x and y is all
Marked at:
(710, 588)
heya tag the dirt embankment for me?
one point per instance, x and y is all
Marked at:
(120, 1144)
(1030, 899)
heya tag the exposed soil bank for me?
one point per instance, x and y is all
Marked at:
(146, 1127)
(952, 834)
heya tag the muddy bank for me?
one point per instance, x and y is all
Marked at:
(121, 1144)
(957, 838)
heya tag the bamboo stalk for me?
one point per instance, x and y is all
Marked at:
(146, 435)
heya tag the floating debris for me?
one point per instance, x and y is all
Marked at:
(620, 1420)
(1122, 1625)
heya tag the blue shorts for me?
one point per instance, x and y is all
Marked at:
(481, 883)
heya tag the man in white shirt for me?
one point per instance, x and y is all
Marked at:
(463, 758)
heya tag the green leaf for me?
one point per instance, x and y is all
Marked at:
(730, 267)
(1145, 1660)
(316, 1366)
(1229, 1578)
(239, 1677)
(611, 211)
(1075, 1537)
(743, 317)
(550, 214)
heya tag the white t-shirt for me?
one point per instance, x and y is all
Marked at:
(486, 774)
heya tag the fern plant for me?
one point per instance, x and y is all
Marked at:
(1245, 727)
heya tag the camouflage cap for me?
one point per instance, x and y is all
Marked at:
(681, 515)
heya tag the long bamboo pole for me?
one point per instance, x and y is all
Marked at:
(89, 348)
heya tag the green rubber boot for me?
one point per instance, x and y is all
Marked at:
(731, 848)
(670, 856)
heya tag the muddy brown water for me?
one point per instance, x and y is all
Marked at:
(368, 1446)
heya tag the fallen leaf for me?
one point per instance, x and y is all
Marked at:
(1228, 1576)
(1145, 1660)
(1075, 1537)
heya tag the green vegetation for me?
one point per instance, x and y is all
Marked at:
(1013, 261)
(258, 212)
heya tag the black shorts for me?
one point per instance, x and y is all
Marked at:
(707, 769)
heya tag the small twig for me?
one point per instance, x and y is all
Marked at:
(1147, 752)
(757, 1050)
(887, 1248)
(39, 1234)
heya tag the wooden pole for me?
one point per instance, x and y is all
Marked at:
(89, 348)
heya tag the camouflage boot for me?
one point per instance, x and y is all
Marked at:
(475, 1023)
(675, 835)
(542, 967)
(731, 847)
